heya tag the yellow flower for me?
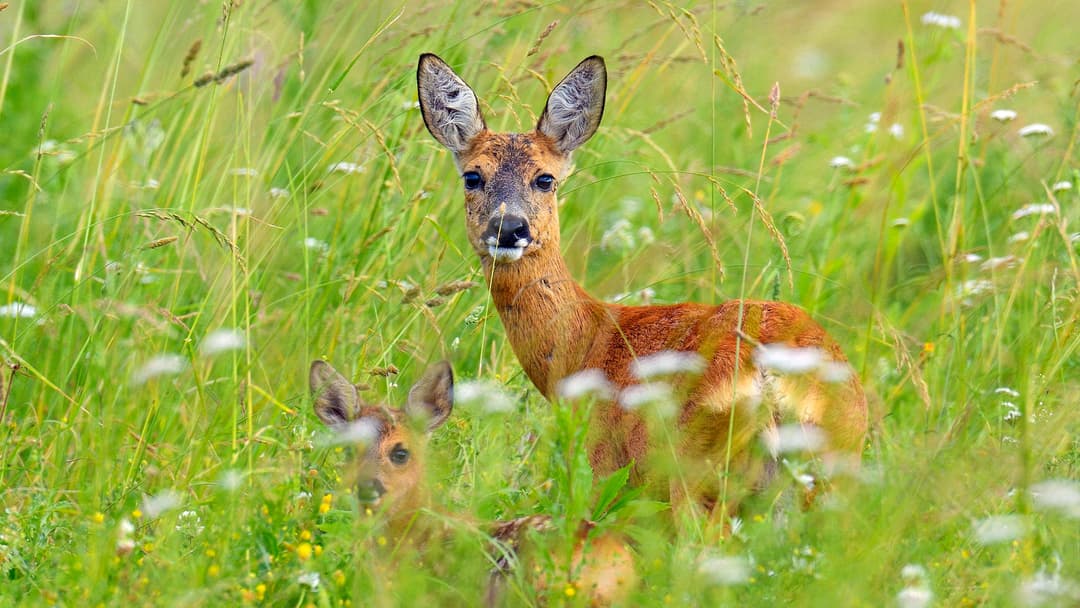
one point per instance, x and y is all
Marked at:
(210, 553)
(303, 551)
(305, 535)
(381, 541)
(570, 591)
(928, 347)
(339, 577)
(213, 570)
(324, 507)
(136, 514)
(318, 550)
(98, 517)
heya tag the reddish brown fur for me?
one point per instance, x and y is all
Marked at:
(557, 329)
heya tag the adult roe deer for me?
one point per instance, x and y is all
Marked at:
(390, 478)
(557, 329)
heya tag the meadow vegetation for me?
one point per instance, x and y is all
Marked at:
(197, 199)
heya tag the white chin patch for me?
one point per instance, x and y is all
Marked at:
(506, 254)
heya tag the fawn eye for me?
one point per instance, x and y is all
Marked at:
(544, 182)
(473, 181)
(399, 455)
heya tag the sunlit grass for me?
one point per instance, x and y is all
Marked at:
(180, 247)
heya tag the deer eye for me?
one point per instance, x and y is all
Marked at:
(544, 182)
(399, 455)
(473, 181)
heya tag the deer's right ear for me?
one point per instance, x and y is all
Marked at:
(450, 108)
(336, 400)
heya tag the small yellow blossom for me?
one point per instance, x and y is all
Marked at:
(303, 551)
(305, 535)
(213, 570)
(928, 347)
(148, 547)
(324, 507)
(339, 577)
(381, 541)
(136, 514)
(570, 591)
(98, 517)
(318, 550)
(210, 553)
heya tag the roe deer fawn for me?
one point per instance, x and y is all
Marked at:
(557, 329)
(390, 478)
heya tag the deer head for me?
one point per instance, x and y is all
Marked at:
(390, 467)
(510, 179)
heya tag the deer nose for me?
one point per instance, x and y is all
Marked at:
(507, 231)
(370, 490)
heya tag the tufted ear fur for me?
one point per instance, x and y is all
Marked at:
(450, 108)
(432, 397)
(336, 400)
(576, 105)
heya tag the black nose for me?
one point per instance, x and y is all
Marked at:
(507, 231)
(370, 490)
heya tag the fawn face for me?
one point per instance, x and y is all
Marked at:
(510, 179)
(390, 469)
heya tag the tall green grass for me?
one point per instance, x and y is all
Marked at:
(300, 207)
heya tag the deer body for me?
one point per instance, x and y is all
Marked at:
(557, 329)
(390, 478)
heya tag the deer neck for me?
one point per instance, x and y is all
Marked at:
(550, 320)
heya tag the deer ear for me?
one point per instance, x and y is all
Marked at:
(336, 400)
(576, 105)
(450, 108)
(432, 397)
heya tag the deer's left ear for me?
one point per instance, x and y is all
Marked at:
(336, 401)
(450, 108)
(576, 105)
(432, 397)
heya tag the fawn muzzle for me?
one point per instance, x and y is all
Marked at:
(507, 236)
(370, 490)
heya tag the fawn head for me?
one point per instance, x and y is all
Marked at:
(390, 469)
(510, 179)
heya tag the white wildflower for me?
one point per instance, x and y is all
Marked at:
(998, 529)
(160, 365)
(231, 480)
(1044, 588)
(18, 310)
(1036, 129)
(914, 597)
(488, 395)
(309, 579)
(619, 237)
(972, 258)
(152, 184)
(913, 573)
(788, 359)
(584, 383)
(666, 363)
(793, 438)
(221, 340)
(1003, 115)
(1034, 209)
(126, 528)
(645, 234)
(124, 546)
(724, 570)
(316, 245)
(872, 124)
(1011, 411)
(975, 287)
(302, 496)
(1057, 495)
(841, 162)
(346, 168)
(278, 193)
(1019, 237)
(153, 506)
(950, 22)
(638, 395)
(244, 172)
(1061, 186)
(242, 211)
(1007, 261)
(189, 521)
(901, 222)
(834, 372)
(896, 130)
(1004, 390)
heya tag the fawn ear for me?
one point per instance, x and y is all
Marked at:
(432, 397)
(576, 105)
(450, 108)
(336, 400)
